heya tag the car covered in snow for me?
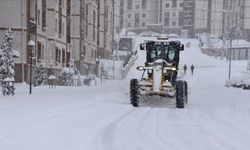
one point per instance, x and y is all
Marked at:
(239, 82)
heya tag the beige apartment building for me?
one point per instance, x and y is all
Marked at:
(105, 28)
(44, 22)
(18, 24)
(92, 32)
(63, 30)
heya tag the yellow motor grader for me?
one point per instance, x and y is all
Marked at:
(159, 73)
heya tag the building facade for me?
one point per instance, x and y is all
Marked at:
(162, 16)
(200, 16)
(63, 30)
(139, 14)
(105, 28)
(45, 23)
(171, 15)
(18, 24)
(92, 32)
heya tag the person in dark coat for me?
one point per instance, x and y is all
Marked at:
(192, 69)
(185, 69)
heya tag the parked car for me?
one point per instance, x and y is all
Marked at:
(238, 82)
(246, 84)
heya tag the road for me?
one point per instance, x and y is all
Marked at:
(101, 118)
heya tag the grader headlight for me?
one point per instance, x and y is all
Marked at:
(170, 68)
(140, 68)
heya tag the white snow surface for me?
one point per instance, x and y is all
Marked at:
(101, 118)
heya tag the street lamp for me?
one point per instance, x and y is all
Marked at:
(31, 45)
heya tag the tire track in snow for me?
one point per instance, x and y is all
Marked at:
(146, 131)
(231, 133)
(209, 132)
(158, 129)
(133, 130)
(108, 134)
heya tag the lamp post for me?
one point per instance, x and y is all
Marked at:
(97, 62)
(230, 58)
(31, 45)
(229, 31)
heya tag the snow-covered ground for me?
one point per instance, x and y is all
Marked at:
(101, 118)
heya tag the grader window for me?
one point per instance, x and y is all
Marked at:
(161, 51)
(171, 54)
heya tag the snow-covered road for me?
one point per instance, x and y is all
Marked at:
(101, 118)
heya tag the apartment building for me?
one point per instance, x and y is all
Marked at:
(188, 16)
(105, 28)
(200, 16)
(234, 16)
(164, 16)
(118, 16)
(92, 32)
(18, 24)
(139, 14)
(45, 23)
(53, 46)
(171, 15)
(246, 19)
(75, 31)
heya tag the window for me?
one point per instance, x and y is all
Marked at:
(60, 18)
(129, 5)
(167, 14)
(181, 18)
(167, 5)
(63, 56)
(39, 50)
(42, 52)
(181, 4)
(44, 14)
(94, 22)
(58, 55)
(144, 4)
(137, 6)
(38, 17)
(171, 54)
(174, 3)
(174, 14)
(137, 19)
(129, 15)
(166, 21)
(56, 25)
(161, 51)
(166, 18)
(144, 15)
(174, 23)
(129, 24)
(143, 24)
(63, 27)
(87, 23)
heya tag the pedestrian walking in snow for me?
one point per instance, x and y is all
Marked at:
(192, 69)
(185, 69)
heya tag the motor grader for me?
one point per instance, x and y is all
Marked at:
(159, 73)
